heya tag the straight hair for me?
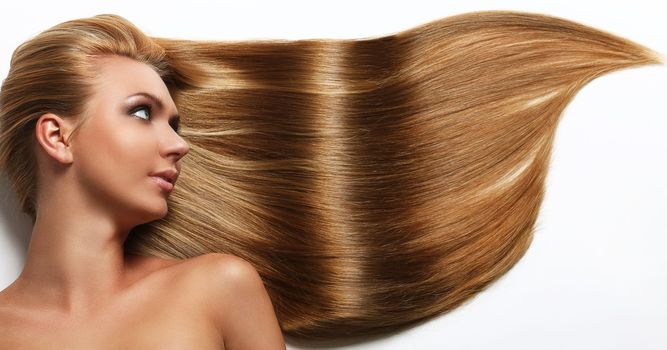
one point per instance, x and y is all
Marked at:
(374, 183)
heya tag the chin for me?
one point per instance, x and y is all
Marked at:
(156, 212)
(163, 211)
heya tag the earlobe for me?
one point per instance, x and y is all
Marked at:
(50, 132)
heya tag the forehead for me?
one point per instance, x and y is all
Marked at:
(119, 77)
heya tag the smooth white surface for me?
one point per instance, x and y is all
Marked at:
(595, 276)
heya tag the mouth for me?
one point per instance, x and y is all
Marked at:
(165, 179)
(163, 183)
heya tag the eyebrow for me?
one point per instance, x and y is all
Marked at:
(158, 102)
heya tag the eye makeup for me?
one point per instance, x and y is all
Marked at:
(141, 107)
(174, 121)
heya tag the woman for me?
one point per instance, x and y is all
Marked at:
(79, 289)
(371, 183)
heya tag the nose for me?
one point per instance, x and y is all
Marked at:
(174, 146)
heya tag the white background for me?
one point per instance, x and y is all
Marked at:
(595, 276)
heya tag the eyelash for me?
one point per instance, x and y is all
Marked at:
(174, 124)
(145, 107)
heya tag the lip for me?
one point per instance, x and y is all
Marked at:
(165, 179)
(168, 174)
(163, 184)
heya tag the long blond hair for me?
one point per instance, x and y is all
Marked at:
(374, 183)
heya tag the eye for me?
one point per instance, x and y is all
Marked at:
(146, 109)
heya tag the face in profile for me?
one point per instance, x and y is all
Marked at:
(128, 136)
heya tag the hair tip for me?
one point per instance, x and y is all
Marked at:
(656, 57)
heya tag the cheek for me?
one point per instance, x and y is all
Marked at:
(131, 147)
(118, 157)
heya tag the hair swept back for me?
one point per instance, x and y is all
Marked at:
(53, 72)
(374, 183)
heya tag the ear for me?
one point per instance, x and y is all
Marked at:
(50, 132)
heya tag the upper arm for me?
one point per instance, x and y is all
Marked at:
(241, 306)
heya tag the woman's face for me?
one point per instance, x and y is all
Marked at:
(128, 137)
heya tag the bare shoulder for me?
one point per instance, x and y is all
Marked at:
(7, 321)
(204, 273)
(219, 278)
(226, 278)
(239, 303)
(5, 303)
(210, 267)
(229, 293)
(229, 269)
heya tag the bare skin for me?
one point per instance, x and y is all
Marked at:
(78, 289)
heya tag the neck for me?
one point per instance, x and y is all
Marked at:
(74, 263)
